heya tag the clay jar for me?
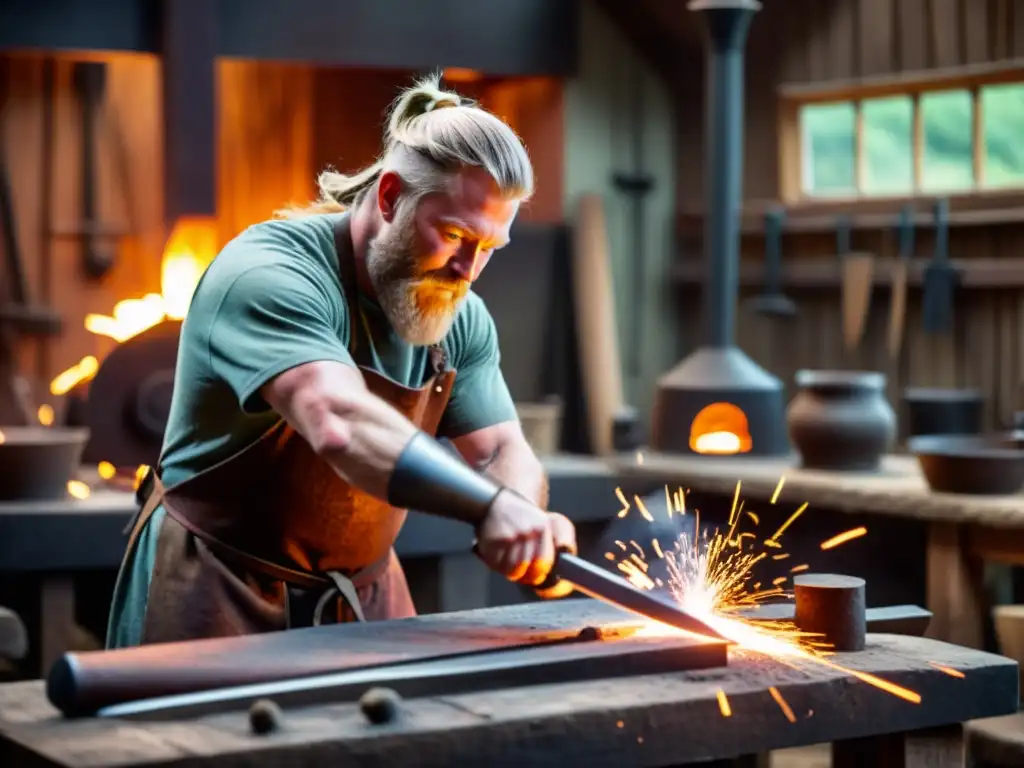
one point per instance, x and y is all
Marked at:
(841, 420)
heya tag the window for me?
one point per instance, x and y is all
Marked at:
(931, 139)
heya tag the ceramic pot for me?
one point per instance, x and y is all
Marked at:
(943, 411)
(841, 420)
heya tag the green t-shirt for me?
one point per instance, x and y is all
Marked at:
(270, 301)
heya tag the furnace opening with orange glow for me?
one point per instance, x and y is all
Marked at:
(190, 248)
(720, 429)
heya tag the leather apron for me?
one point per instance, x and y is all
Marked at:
(272, 538)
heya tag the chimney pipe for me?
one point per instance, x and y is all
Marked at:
(726, 24)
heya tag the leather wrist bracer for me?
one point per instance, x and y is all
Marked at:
(429, 479)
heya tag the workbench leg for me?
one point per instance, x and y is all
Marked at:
(936, 747)
(56, 619)
(464, 583)
(955, 587)
(889, 751)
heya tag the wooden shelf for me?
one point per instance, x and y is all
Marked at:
(813, 274)
(821, 217)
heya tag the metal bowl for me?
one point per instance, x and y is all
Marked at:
(36, 463)
(982, 465)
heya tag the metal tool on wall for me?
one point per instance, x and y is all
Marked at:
(637, 185)
(900, 272)
(940, 277)
(772, 301)
(856, 273)
(89, 78)
(18, 315)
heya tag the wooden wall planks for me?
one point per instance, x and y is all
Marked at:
(842, 39)
(278, 125)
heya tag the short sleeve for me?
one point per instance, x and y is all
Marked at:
(480, 397)
(270, 319)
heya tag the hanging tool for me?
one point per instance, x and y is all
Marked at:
(637, 185)
(857, 271)
(17, 314)
(900, 270)
(772, 301)
(940, 277)
(97, 255)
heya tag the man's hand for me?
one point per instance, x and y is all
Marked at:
(519, 540)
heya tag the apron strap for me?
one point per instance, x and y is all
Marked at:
(344, 588)
(149, 495)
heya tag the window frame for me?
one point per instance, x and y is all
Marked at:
(793, 97)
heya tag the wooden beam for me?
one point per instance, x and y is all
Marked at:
(189, 45)
(969, 76)
(983, 208)
(818, 273)
(498, 37)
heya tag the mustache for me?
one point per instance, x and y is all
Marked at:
(436, 282)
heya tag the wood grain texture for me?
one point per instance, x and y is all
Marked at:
(876, 38)
(897, 489)
(663, 719)
(944, 18)
(86, 682)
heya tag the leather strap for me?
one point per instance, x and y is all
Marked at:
(152, 493)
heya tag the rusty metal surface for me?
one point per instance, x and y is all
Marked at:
(81, 683)
(594, 657)
(666, 719)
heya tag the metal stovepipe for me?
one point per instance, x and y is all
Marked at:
(726, 24)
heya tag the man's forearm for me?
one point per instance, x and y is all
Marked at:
(374, 447)
(516, 467)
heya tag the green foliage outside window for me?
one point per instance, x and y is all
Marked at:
(887, 165)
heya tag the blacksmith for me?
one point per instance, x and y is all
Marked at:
(322, 353)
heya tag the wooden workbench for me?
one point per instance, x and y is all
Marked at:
(963, 531)
(51, 541)
(666, 720)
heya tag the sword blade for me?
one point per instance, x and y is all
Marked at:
(598, 583)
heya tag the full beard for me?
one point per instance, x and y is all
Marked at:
(421, 307)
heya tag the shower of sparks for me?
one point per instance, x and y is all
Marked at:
(844, 537)
(778, 489)
(712, 577)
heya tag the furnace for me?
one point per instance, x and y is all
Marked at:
(718, 401)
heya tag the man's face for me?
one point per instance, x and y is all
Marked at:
(423, 261)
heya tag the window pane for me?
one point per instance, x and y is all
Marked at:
(827, 141)
(947, 161)
(1002, 112)
(888, 145)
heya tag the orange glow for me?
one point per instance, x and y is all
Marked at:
(189, 251)
(45, 414)
(461, 75)
(723, 704)
(947, 670)
(78, 489)
(106, 470)
(842, 538)
(783, 704)
(720, 429)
